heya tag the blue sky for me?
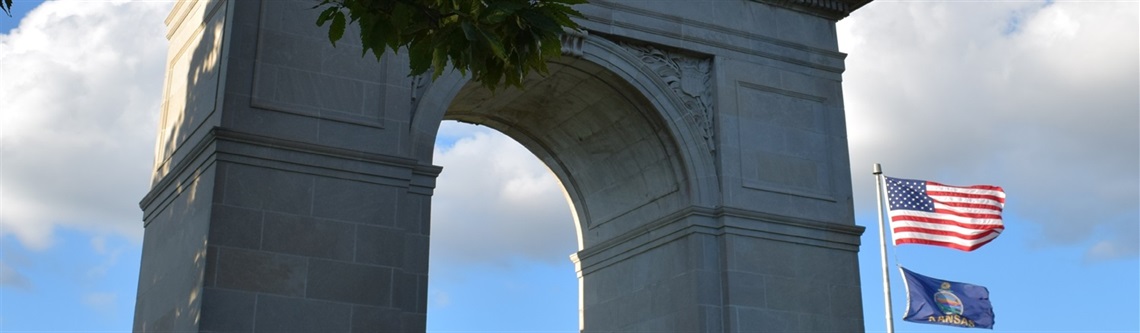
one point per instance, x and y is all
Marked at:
(1040, 97)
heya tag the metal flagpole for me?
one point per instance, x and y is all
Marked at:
(878, 171)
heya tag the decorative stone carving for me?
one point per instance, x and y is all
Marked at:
(690, 77)
(572, 41)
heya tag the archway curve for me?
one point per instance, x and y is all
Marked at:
(605, 68)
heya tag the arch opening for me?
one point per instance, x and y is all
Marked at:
(501, 232)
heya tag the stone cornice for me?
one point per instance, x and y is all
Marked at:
(718, 222)
(220, 144)
(832, 9)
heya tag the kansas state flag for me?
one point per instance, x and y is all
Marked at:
(934, 301)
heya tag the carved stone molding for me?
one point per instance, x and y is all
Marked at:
(572, 41)
(832, 9)
(690, 77)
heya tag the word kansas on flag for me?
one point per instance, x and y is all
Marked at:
(934, 301)
(960, 217)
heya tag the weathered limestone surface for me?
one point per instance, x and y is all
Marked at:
(702, 144)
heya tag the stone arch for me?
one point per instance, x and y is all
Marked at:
(297, 193)
(614, 77)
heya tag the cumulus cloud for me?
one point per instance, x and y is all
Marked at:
(81, 90)
(1039, 97)
(496, 202)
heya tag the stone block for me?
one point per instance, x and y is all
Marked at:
(355, 201)
(249, 117)
(748, 289)
(349, 283)
(210, 272)
(363, 131)
(272, 190)
(413, 322)
(380, 246)
(413, 213)
(235, 227)
(416, 249)
(302, 92)
(264, 272)
(227, 310)
(713, 319)
(286, 314)
(284, 16)
(242, 63)
(345, 61)
(846, 300)
(406, 291)
(760, 320)
(287, 50)
(371, 319)
(800, 295)
(307, 236)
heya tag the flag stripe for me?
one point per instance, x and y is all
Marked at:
(956, 246)
(989, 210)
(924, 238)
(997, 189)
(938, 206)
(946, 227)
(942, 238)
(968, 236)
(989, 207)
(966, 214)
(964, 200)
(943, 218)
(947, 195)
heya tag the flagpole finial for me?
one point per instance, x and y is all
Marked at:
(878, 170)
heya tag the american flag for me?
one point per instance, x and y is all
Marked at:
(959, 217)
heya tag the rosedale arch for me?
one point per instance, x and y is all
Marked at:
(702, 145)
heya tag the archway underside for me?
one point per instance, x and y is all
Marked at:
(597, 134)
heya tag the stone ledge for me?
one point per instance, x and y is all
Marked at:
(717, 222)
(220, 144)
(831, 9)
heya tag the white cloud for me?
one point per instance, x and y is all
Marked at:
(110, 257)
(1117, 246)
(495, 201)
(100, 301)
(80, 91)
(440, 299)
(1040, 98)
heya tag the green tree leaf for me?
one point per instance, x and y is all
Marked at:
(336, 29)
(420, 54)
(325, 16)
(493, 41)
